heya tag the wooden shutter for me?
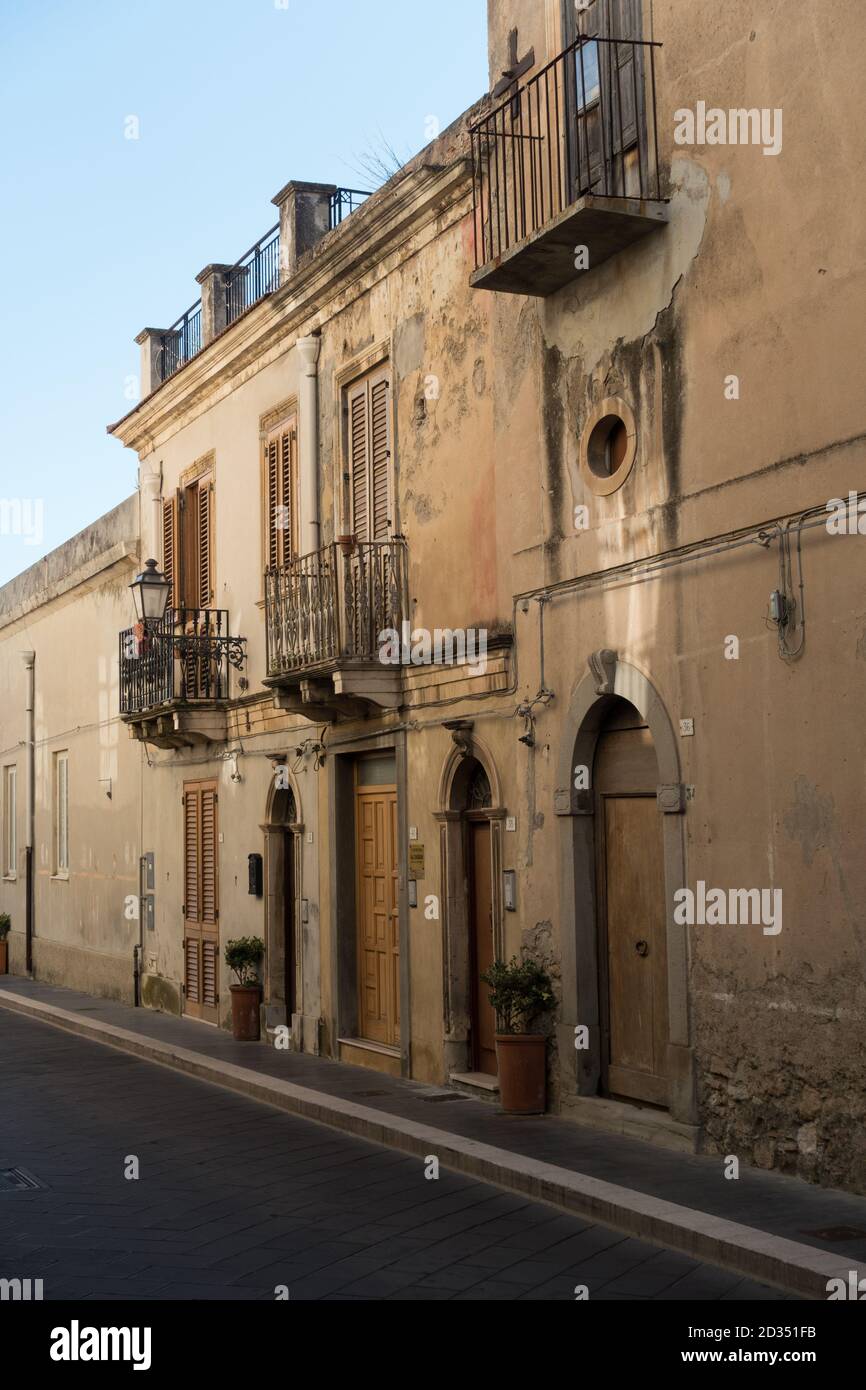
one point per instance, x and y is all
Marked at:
(192, 834)
(358, 462)
(273, 501)
(204, 522)
(380, 459)
(288, 470)
(370, 458)
(169, 548)
(192, 979)
(281, 484)
(209, 886)
(201, 909)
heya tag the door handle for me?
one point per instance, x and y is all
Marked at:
(642, 948)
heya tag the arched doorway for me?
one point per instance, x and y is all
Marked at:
(630, 913)
(612, 818)
(471, 826)
(283, 973)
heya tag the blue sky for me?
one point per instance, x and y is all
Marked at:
(101, 235)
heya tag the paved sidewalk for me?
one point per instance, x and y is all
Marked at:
(785, 1231)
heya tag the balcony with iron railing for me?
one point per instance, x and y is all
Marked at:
(566, 169)
(175, 676)
(232, 290)
(325, 614)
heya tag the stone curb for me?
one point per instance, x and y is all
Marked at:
(754, 1254)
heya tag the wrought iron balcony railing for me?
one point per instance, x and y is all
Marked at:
(187, 657)
(585, 124)
(333, 605)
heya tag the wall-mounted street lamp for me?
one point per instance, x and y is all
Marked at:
(150, 593)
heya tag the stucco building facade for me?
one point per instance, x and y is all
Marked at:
(573, 389)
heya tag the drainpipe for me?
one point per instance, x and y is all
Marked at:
(310, 536)
(29, 659)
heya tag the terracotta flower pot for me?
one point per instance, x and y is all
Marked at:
(522, 1059)
(4, 957)
(347, 544)
(245, 1012)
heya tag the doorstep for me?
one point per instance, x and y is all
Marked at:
(360, 1052)
(476, 1084)
(765, 1226)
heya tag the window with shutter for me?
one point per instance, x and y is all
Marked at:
(169, 548)
(192, 818)
(201, 908)
(368, 409)
(281, 502)
(188, 544)
(208, 856)
(204, 522)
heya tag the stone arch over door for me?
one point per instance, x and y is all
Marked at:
(469, 773)
(283, 836)
(609, 676)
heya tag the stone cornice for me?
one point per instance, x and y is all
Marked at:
(328, 278)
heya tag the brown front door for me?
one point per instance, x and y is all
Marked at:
(481, 937)
(632, 927)
(289, 924)
(201, 901)
(377, 914)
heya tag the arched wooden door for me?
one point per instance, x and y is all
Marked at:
(632, 945)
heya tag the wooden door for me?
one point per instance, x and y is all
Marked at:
(633, 973)
(201, 901)
(482, 946)
(378, 927)
(290, 953)
(604, 95)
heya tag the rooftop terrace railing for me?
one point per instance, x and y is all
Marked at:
(253, 277)
(256, 274)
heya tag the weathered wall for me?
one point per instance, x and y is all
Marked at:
(758, 275)
(84, 935)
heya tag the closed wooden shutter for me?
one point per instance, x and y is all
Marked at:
(380, 452)
(209, 905)
(358, 467)
(201, 891)
(192, 982)
(273, 501)
(281, 484)
(169, 548)
(369, 448)
(205, 544)
(192, 834)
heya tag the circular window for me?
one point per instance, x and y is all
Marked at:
(608, 446)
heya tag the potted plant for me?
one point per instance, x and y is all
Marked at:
(520, 992)
(243, 956)
(5, 924)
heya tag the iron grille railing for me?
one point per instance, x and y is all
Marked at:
(586, 123)
(187, 656)
(334, 604)
(344, 202)
(181, 342)
(256, 274)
